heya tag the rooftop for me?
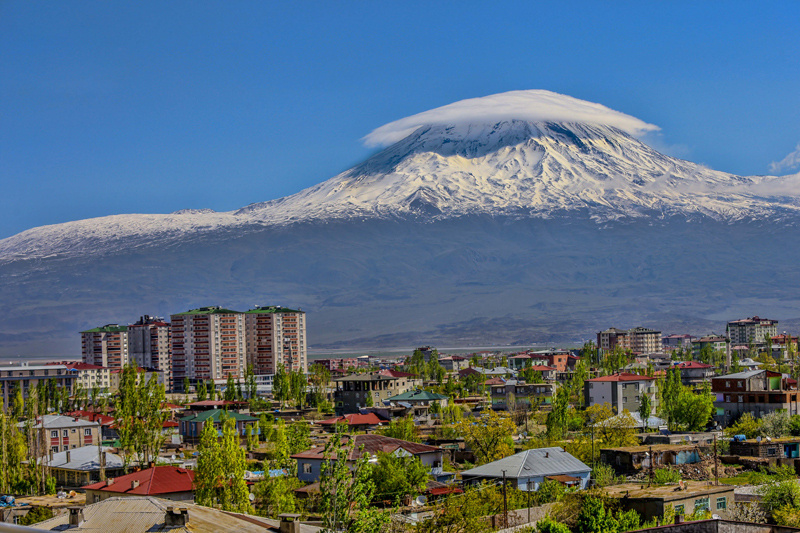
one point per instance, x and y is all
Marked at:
(622, 376)
(530, 463)
(212, 310)
(418, 395)
(272, 309)
(108, 328)
(216, 415)
(372, 444)
(354, 420)
(85, 458)
(665, 492)
(147, 513)
(151, 482)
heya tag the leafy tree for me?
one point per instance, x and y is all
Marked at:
(187, 385)
(401, 428)
(139, 416)
(610, 430)
(319, 378)
(557, 418)
(548, 525)
(281, 450)
(281, 386)
(202, 392)
(230, 389)
(298, 385)
(747, 425)
(18, 404)
(346, 492)
(775, 424)
(219, 477)
(36, 515)
(250, 383)
(593, 518)
(489, 436)
(395, 477)
(265, 427)
(298, 437)
(252, 438)
(275, 496)
(645, 407)
(780, 494)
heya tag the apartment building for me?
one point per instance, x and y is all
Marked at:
(207, 343)
(150, 344)
(61, 433)
(276, 336)
(609, 339)
(106, 346)
(28, 377)
(757, 392)
(352, 391)
(89, 376)
(754, 329)
(671, 343)
(638, 340)
(622, 391)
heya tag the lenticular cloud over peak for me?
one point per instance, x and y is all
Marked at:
(531, 105)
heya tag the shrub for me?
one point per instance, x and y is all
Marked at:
(662, 476)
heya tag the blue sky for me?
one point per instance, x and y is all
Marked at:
(150, 107)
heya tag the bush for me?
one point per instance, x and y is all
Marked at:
(662, 476)
(36, 515)
(775, 424)
(604, 476)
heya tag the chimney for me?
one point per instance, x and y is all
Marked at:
(75, 515)
(290, 523)
(68, 455)
(109, 482)
(176, 517)
(135, 484)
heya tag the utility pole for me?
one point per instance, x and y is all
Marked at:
(716, 464)
(529, 501)
(505, 502)
(652, 460)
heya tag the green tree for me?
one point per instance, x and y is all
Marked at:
(489, 436)
(250, 384)
(298, 385)
(401, 428)
(187, 385)
(275, 496)
(645, 406)
(139, 416)
(281, 386)
(202, 392)
(593, 518)
(548, 525)
(230, 389)
(557, 418)
(219, 477)
(396, 477)
(320, 378)
(346, 492)
(209, 474)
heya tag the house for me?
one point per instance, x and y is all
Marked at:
(757, 392)
(60, 433)
(362, 390)
(783, 345)
(685, 498)
(671, 343)
(140, 514)
(632, 459)
(454, 363)
(419, 401)
(309, 463)
(754, 330)
(559, 359)
(694, 373)
(716, 342)
(528, 469)
(405, 380)
(788, 448)
(107, 423)
(28, 377)
(192, 424)
(167, 482)
(514, 393)
(622, 390)
(354, 422)
(80, 466)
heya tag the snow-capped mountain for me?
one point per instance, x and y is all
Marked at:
(457, 207)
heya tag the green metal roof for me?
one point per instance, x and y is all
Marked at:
(418, 395)
(215, 415)
(214, 310)
(265, 309)
(108, 328)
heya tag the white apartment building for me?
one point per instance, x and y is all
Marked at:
(276, 335)
(89, 376)
(751, 329)
(622, 391)
(150, 345)
(207, 343)
(106, 346)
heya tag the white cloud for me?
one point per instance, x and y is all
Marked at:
(532, 105)
(789, 162)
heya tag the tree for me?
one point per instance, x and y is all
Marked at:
(281, 386)
(139, 416)
(746, 425)
(645, 407)
(319, 378)
(219, 478)
(298, 385)
(186, 385)
(548, 525)
(202, 392)
(346, 492)
(275, 496)
(557, 418)
(250, 384)
(396, 477)
(230, 389)
(489, 436)
(775, 424)
(401, 428)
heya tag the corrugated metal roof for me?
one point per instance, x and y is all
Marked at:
(147, 514)
(85, 458)
(531, 463)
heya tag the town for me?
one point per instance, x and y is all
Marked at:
(216, 419)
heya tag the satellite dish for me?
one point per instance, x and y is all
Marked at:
(421, 500)
(715, 516)
(252, 496)
(173, 457)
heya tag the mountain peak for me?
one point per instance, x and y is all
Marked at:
(529, 106)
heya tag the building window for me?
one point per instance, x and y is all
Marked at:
(66, 433)
(306, 468)
(701, 504)
(679, 509)
(87, 432)
(54, 434)
(722, 504)
(54, 449)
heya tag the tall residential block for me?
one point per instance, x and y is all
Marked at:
(207, 343)
(150, 345)
(753, 329)
(106, 346)
(276, 335)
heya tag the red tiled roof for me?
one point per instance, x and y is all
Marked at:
(622, 376)
(82, 366)
(170, 424)
(91, 416)
(494, 381)
(167, 405)
(371, 444)
(467, 371)
(441, 491)
(397, 374)
(693, 364)
(156, 480)
(355, 420)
